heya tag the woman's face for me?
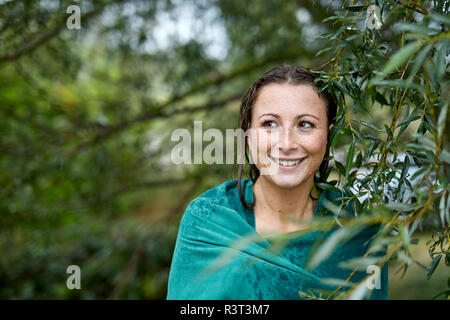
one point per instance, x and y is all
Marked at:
(288, 135)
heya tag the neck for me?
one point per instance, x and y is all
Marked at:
(283, 209)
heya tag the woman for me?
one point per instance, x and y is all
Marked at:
(288, 124)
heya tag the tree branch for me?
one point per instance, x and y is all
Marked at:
(38, 40)
(216, 80)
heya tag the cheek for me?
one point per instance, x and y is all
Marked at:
(316, 145)
(259, 140)
(260, 147)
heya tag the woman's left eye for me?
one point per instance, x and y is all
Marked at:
(310, 125)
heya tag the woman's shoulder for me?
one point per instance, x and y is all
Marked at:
(214, 213)
(215, 195)
(223, 197)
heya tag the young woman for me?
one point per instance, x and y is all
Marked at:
(289, 125)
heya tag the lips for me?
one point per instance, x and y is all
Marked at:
(289, 163)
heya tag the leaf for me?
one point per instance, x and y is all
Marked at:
(380, 98)
(442, 213)
(402, 207)
(388, 130)
(405, 169)
(371, 126)
(401, 56)
(323, 51)
(327, 186)
(336, 282)
(356, 8)
(445, 156)
(389, 176)
(359, 292)
(446, 293)
(398, 83)
(418, 173)
(335, 138)
(441, 58)
(433, 265)
(339, 236)
(441, 120)
(416, 28)
(419, 61)
(349, 160)
(441, 18)
(361, 139)
(340, 167)
(360, 263)
(426, 142)
(409, 120)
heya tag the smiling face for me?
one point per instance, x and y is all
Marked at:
(289, 132)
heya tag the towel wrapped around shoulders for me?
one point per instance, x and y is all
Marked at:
(207, 263)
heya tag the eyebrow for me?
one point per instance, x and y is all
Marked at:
(277, 116)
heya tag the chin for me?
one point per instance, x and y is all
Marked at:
(285, 182)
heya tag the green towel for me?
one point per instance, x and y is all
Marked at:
(216, 219)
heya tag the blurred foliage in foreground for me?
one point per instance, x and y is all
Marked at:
(86, 117)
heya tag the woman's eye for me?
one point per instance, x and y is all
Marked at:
(308, 126)
(269, 124)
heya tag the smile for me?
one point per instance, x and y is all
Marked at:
(289, 163)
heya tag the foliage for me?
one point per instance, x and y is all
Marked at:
(86, 117)
(400, 181)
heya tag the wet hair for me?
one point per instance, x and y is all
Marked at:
(282, 74)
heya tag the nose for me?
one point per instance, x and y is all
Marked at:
(287, 141)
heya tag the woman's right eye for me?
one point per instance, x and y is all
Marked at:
(269, 124)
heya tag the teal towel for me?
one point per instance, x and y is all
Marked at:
(216, 219)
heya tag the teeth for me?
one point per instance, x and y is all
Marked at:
(289, 163)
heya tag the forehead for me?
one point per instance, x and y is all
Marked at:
(288, 98)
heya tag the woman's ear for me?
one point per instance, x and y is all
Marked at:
(330, 126)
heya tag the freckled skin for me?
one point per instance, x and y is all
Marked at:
(287, 134)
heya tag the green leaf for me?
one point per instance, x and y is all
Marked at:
(389, 176)
(402, 207)
(340, 167)
(360, 263)
(335, 138)
(433, 265)
(445, 156)
(419, 61)
(442, 213)
(338, 237)
(356, 8)
(399, 83)
(445, 293)
(405, 169)
(441, 120)
(360, 291)
(323, 51)
(416, 28)
(410, 119)
(426, 142)
(441, 58)
(327, 186)
(349, 160)
(380, 98)
(401, 56)
(441, 18)
(388, 130)
(371, 126)
(418, 173)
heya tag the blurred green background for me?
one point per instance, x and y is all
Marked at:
(85, 122)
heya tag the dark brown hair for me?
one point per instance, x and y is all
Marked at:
(282, 74)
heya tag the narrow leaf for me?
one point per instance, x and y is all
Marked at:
(401, 56)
